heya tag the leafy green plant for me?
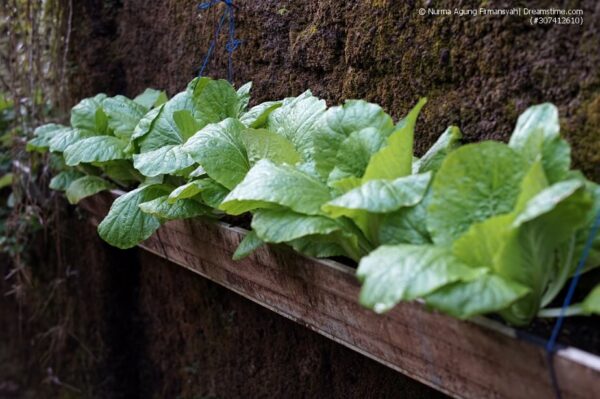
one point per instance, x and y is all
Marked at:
(473, 229)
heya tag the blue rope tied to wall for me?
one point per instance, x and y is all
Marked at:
(232, 43)
(551, 344)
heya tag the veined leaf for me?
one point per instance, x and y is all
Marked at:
(264, 144)
(380, 196)
(95, 149)
(215, 100)
(151, 98)
(296, 120)
(164, 209)
(243, 94)
(395, 159)
(432, 160)
(355, 152)
(65, 137)
(88, 115)
(86, 186)
(42, 136)
(123, 115)
(484, 294)
(391, 274)
(340, 122)
(258, 115)
(282, 225)
(220, 150)
(267, 185)
(475, 182)
(543, 118)
(61, 181)
(126, 225)
(168, 159)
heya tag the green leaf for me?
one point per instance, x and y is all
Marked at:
(355, 152)
(380, 196)
(405, 226)
(61, 181)
(475, 182)
(484, 294)
(391, 274)
(65, 137)
(432, 160)
(88, 115)
(6, 180)
(123, 115)
(151, 98)
(165, 160)
(162, 208)
(296, 120)
(243, 94)
(86, 186)
(267, 184)
(395, 159)
(264, 144)
(95, 149)
(320, 246)
(538, 118)
(215, 100)
(258, 115)
(43, 135)
(126, 225)
(340, 122)
(120, 170)
(249, 244)
(282, 225)
(188, 190)
(146, 124)
(220, 150)
(591, 303)
(556, 158)
(186, 123)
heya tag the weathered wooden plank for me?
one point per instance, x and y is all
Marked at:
(464, 359)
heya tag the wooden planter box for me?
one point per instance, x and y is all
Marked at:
(474, 359)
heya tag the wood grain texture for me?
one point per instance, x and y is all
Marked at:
(479, 359)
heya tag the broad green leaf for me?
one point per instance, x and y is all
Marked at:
(340, 122)
(186, 123)
(265, 144)
(162, 129)
(42, 136)
(538, 118)
(214, 100)
(320, 246)
(219, 149)
(484, 294)
(432, 160)
(257, 116)
(475, 182)
(556, 158)
(296, 120)
(164, 209)
(395, 159)
(281, 225)
(151, 98)
(355, 152)
(391, 274)
(95, 149)
(61, 181)
(380, 196)
(123, 115)
(88, 115)
(146, 124)
(65, 137)
(86, 186)
(249, 244)
(213, 193)
(164, 160)
(120, 170)
(405, 226)
(267, 184)
(188, 190)
(126, 225)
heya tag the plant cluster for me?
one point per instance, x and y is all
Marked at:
(470, 229)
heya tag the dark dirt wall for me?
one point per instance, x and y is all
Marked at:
(479, 72)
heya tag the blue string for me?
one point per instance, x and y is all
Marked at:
(551, 345)
(232, 43)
